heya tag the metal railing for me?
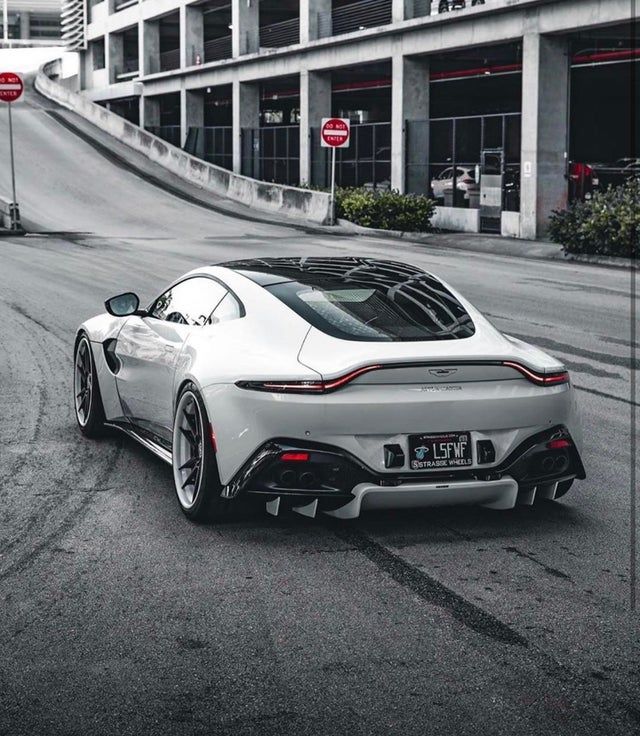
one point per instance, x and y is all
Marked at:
(285, 33)
(272, 153)
(456, 143)
(216, 49)
(213, 144)
(354, 17)
(170, 60)
(169, 133)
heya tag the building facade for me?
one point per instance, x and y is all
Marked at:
(31, 22)
(438, 93)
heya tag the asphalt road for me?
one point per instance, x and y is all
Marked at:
(120, 617)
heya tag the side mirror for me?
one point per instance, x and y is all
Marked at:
(123, 305)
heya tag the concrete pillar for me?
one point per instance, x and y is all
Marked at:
(25, 24)
(191, 34)
(246, 114)
(315, 104)
(149, 112)
(401, 10)
(150, 47)
(310, 18)
(245, 26)
(409, 102)
(545, 98)
(115, 56)
(191, 112)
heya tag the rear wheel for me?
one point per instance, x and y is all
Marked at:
(195, 470)
(86, 390)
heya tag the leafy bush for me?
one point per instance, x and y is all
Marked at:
(608, 224)
(385, 210)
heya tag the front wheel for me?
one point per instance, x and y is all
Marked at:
(86, 390)
(195, 470)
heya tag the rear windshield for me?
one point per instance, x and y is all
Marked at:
(420, 308)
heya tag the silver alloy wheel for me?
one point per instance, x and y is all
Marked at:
(83, 382)
(187, 449)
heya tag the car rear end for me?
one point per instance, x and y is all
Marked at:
(478, 418)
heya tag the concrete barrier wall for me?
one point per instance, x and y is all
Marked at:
(510, 224)
(459, 219)
(291, 201)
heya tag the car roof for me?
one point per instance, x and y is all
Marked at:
(327, 272)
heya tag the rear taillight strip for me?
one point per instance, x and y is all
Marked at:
(540, 379)
(323, 387)
(307, 387)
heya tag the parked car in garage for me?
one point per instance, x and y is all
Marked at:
(445, 5)
(444, 180)
(582, 181)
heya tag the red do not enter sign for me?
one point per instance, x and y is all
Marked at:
(335, 132)
(11, 87)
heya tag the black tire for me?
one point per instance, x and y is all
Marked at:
(563, 488)
(444, 6)
(87, 400)
(200, 499)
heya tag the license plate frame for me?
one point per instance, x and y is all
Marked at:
(440, 450)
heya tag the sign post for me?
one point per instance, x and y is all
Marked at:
(334, 133)
(11, 89)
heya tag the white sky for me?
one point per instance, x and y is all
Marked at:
(28, 60)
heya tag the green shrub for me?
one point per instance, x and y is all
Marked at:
(608, 224)
(385, 210)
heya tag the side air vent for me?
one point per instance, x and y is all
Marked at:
(109, 347)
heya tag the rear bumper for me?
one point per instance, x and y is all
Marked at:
(342, 484)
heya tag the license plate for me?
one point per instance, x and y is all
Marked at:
(433, 451)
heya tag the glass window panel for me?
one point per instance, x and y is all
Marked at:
(468, 134)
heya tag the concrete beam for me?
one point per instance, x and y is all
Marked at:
(409, 102)
(315, 104)
(245, 31)
(545, 124)
(478, 26)
(191, 34)
(310, 15)
(246, 114)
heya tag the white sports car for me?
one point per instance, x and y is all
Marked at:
(328, 384)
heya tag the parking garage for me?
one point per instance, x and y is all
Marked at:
(545, 117)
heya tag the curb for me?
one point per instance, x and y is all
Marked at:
(538, 250)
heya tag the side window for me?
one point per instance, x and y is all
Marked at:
(190, 302)
(229, 308)
(446, 174)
